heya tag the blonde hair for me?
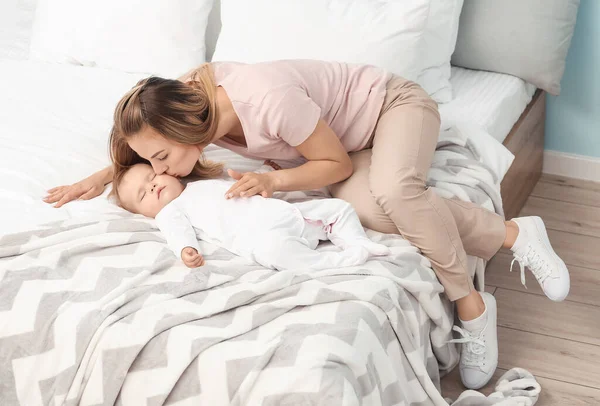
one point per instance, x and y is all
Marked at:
(185, 113)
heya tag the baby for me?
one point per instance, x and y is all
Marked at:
(272, 232)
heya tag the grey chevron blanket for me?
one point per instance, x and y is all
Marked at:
(97, 311)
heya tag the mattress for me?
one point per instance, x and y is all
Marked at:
(495, 101)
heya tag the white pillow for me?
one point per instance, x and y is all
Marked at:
(16, 19)
(388, 33)
(143, 36)
(440, 41)
(526, 39)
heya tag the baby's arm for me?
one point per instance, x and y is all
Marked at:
(180, 235)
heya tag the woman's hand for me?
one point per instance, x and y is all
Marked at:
(250, 184)
(191, 258)
(86, 189)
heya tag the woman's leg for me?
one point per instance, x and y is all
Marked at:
(445, 230)
(403, 146)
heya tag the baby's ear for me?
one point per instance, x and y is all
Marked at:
(114, 199)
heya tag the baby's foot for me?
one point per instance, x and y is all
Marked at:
(354, 255)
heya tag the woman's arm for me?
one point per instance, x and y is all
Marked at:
(85, 189)
(106, 175)
(328, 163)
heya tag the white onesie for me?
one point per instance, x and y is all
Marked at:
(272, 232)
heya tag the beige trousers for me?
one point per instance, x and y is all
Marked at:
(387, 189)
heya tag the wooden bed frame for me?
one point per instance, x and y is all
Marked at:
(526, 142)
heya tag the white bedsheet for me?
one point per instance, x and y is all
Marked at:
(54, 126)
(492, 100)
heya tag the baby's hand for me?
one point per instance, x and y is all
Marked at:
(191, 258)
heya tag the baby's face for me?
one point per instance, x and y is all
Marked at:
(142, 191)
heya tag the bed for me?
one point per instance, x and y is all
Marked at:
(94, 308)
(120, 278)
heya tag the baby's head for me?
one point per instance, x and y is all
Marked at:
(139, 190)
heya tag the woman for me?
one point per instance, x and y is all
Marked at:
(367, 135)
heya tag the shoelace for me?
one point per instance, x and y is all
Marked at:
(474, 344)
(536, 265)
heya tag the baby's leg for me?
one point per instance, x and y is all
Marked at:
(341, 224)
(285, 252)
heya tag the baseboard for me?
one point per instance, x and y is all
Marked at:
(571, 165)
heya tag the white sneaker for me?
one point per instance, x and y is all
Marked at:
(479, 353)
(532, 249)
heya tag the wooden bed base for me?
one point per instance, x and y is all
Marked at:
(526, 142)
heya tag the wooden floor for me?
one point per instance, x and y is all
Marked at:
(558, 342)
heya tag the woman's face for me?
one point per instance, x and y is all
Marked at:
(164, 155)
